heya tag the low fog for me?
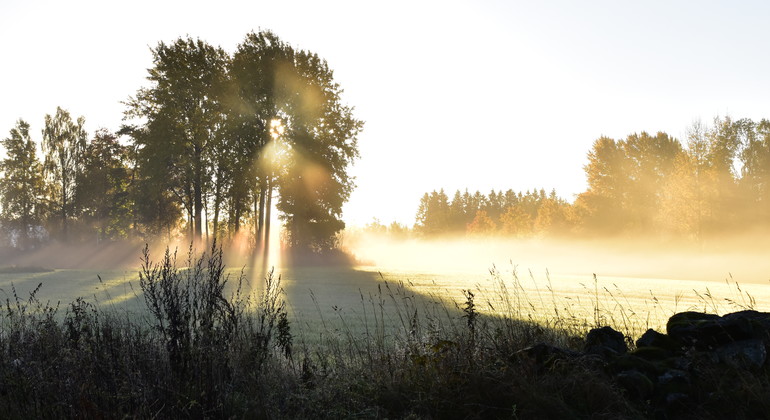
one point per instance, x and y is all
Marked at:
(744, 258)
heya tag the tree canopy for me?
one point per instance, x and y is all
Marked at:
(718, 181)
(216, 140)
(212, 144)
(21, 188)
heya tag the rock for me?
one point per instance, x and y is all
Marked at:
(673, 390)
(652, 338)
(746, 325)
(605, 342)
(744, 354)
(637, 384)
(674, 381)
(696, 329)
(629, 361)
(704, 331)
(652, 353)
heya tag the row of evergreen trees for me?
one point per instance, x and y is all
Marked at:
(510, 213)
(717, 181)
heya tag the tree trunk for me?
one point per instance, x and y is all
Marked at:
(237, 213)
(189, 206)
(256, 220)
(25, 225)
(134, 216)
(230, 218)
(64, 210)
(197, 193)
(206, 218)
(260, 242)
(217, 202)
(268, 208)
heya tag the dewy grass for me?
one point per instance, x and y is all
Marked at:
(205, 352)
(598, 304)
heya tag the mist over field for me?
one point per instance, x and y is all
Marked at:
(744, 257)
(473, 210)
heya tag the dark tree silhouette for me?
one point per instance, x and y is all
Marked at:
(64, 142)
(21, 186)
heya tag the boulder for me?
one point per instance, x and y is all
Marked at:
(674, 381)
(637, 384)
(696, 329)
(748, 324)
(605, 342)
(652, 338)
(629, 361)
(745, 354)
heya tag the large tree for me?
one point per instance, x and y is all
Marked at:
(433, 214)
(182, 120)
(302, 136)
(21, 186)
(602, 203)
(724, 144)
(102, 195)
(649, 164)
(232, 132)
(256, 73)
(64, 142)
(755, 170)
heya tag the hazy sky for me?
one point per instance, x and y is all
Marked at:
(455, 95)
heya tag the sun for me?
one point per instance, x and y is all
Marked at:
(276, 128)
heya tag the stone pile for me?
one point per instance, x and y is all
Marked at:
(668, 371)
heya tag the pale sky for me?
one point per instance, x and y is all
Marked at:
(477, 94)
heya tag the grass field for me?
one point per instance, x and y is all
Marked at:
(318, 295)
(363, 342)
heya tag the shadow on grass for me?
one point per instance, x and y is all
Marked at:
(363, 348)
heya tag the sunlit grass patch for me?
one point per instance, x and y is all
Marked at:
(578, 303)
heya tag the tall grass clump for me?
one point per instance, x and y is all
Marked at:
(213, 340)
(192, 316)
(199, 351)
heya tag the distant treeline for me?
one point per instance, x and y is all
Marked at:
(509, 213)
(213, 140)
(718, 181)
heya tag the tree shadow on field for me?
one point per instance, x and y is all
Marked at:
(323, 295)
(351, 302)
(104, 255)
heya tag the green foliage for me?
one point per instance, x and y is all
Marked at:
(433, 213)
(184, 121)
(553, 217)
(21, 188)
(320, 137)
(237, 129)
(192, 314)
(516, 222)
(103, 194)
(482, 224)
(499, 213)
(64, 142)
(641, 185)
(647, 184)
(212, 132)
